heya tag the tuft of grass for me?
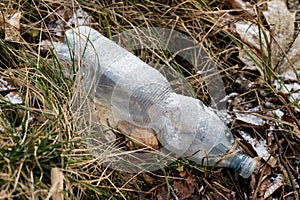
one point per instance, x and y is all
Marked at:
(37, 132)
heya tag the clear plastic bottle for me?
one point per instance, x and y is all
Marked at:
(140, 95)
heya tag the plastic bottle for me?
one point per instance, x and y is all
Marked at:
(140, 95)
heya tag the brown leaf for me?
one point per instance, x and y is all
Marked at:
(105, 120)
(148, 178)
(12, 26)
(263, 187)
(162, 193)
(141, 137)
(104, 116)
(184, 188)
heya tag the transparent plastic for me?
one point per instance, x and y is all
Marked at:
(139, 94)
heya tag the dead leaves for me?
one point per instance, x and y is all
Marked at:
(269, 186)
(13, 97)
(184, 188)
(261, 148)
(281, 22)
(8, 95)
(10, 22)
(66, 18)
(272, 44)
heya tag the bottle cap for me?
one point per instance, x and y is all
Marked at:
(247, 166)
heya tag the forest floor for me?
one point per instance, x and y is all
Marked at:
(256, 87)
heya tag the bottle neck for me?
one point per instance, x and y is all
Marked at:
(246, 165)
(240, 163)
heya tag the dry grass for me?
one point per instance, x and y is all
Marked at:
(40, 134)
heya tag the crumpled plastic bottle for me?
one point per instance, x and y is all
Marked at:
(140, 95)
